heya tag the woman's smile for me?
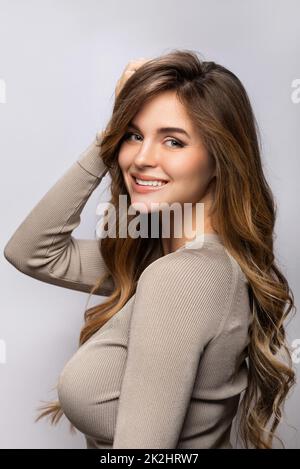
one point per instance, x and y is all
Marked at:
(142, 189)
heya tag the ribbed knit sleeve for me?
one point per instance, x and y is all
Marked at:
(43, 246)
(181, 303)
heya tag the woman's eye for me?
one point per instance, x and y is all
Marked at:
(128, 135)
(177, 143)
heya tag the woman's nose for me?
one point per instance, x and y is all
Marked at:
(146, 154)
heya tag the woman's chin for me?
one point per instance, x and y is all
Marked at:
(139, 206)
(144, 206)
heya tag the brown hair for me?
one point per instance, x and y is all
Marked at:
(243, 209)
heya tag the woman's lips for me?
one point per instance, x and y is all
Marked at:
(143, 189)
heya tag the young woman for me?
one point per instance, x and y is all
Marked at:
(186, 326)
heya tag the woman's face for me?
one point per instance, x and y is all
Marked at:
(178, 158)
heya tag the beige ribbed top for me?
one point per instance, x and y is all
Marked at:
(167, 370)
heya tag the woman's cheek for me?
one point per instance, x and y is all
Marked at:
(121, 159)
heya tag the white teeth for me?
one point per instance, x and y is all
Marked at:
(149, 183)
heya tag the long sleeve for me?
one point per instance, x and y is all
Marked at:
(43, 246)
(181, 303)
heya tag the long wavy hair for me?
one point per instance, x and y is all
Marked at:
(243, 209)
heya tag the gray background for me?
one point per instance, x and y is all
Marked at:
(60, 60)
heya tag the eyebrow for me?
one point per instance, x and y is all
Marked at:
(162, 130)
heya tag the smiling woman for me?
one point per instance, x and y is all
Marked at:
(186, 166)
(185, 328)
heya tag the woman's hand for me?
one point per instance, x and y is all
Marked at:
(129, 70)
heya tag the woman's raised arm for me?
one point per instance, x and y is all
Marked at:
(43, 246)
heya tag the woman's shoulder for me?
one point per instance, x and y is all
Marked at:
(206, 282)
(207, 266)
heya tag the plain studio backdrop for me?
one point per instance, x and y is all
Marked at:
(59, 64)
